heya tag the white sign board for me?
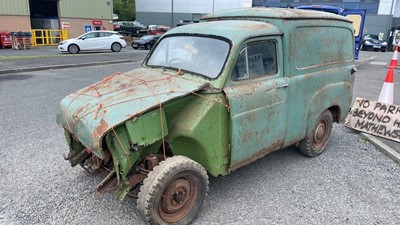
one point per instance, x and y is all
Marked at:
(256, 66)
(376, 118)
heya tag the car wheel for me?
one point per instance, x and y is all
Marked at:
(317, 139)
(116, 47)
(173, 192)
(137, 32)
(73, 49)
(148, 46)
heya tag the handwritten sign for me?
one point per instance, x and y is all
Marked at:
(375, 118)
(256, 67)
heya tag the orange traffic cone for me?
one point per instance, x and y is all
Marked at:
(386, 94)
(393, 62)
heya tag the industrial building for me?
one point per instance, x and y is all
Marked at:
(74, 16)
(382, 15)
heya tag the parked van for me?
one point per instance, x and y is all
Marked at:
(210, 98)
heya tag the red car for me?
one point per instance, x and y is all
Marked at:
(159, 30)
(117, 26)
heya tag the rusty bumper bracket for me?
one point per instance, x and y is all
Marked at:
(109, 183)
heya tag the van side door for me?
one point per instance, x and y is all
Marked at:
(257, 93)
(357, 16)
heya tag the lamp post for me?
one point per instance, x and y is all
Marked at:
(213, 6)
(172, 13)
(390, 19)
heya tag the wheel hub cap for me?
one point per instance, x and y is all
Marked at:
(320, 133)
(175, 196)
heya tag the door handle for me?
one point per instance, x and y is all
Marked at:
(283, 86)
(353, 70)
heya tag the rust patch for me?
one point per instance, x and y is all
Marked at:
(255, 26)
(274, 147)
(136, 179)
(101, 128)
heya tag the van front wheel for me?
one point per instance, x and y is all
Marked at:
(316, 140)
(173, 192)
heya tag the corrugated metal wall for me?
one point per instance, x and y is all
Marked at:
(90, 9)
(14, 7)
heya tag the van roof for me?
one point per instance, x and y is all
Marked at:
(273, 13)
(234, 30)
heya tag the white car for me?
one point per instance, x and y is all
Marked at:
(94, 40)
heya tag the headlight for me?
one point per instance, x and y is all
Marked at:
(368, 42)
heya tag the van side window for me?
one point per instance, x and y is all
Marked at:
(256, 60)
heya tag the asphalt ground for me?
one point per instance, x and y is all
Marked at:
(43, 58)
(373, 67)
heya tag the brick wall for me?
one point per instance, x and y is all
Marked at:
(77, 26)
(15, 23)
(23, 23)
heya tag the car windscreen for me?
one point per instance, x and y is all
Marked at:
(201, 55)
(146, 37)
(373, 37)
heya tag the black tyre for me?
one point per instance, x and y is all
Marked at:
(173, 192)
(316, 140)
(116, 47)
(73, 49)
(148, 46)
(137, 32)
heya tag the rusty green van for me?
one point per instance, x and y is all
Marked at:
(208, 99)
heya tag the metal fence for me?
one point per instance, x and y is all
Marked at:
(48, 37)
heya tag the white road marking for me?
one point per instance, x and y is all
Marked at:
(378, 63)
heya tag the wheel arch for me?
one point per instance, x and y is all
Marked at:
(196, 150)
(200, 132)
(116, 42)
(335, 97)
(71, 44)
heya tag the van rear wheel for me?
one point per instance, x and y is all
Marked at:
(173, 192)
(316, 140)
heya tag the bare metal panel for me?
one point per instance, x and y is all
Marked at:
(90, 9)
(14, 7)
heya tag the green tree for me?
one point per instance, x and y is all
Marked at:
(125, 9)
